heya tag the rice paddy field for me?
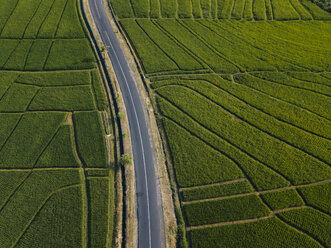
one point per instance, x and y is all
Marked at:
(242, 91)
(56, 186)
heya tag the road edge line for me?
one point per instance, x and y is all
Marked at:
(161, 170)
(124, 234)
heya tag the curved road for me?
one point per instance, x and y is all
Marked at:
(149, 208)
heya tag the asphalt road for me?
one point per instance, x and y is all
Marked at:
(149, 208)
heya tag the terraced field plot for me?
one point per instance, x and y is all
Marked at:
(245, 110)
(56, 187)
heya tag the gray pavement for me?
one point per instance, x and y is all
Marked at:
(149, 208)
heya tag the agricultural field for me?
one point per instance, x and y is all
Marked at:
(257, 10)
(242, 93)
(56, 183)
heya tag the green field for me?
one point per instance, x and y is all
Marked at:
(242, 92)
(224, 9)
(56, 186)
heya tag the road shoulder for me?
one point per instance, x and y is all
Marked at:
(165, 194)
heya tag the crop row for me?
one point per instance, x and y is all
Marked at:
(231, 209)
(322, 88)
(310, 101)
(20, 98)
(315, 223)
(55, 215)
(228, 47)
(40, 19)
(52, 146)
(261, 176)
(195, 162)
(60, 218)
(37, 55)
(283, 199)
(56, 186)
(90, 139)
(24, 140)
(318, 196)
(317, 146)
(60, 151)
(183, 135)
(198, 107)
(101, 195)
(19, 214)
(221, 9)
(292, 163)
(274, 107)
(271, 232)
(51, 91)
(213, 191)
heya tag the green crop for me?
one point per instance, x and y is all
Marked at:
(243, 102)
(283, 199)
(190, 156)
(283, 10)
(63, 78)
(17, 98)
(153, 59)
(67, 54)
(196, 46)
(41, 186)
(168, 8)
(216, 190)
(9, 181)
(64, 98)
(8, 123)
(48, 73)
(5, 11)
(27, 142)
(58, 223)
(259, 10)
(33, 27)
(18, 57)
(69, 26)
(5, 54)
(238, 9)
(313, 145)
(316, 12)
(155, 11)
(182, 58)
(50, 23)
(184, 8)
(310, 101)
(122, 8)
(261, 176)
(223, 9)
(271, 233)
(196, 9)
(302, 11)
(102, 205)
(318, 196)
(141, 8)
(236, 208)
(313, 222)
(37, 55)
(60, 152)
(90, 140)
(293, 164)
(98, 91)
(248, 11)
(19, 18)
